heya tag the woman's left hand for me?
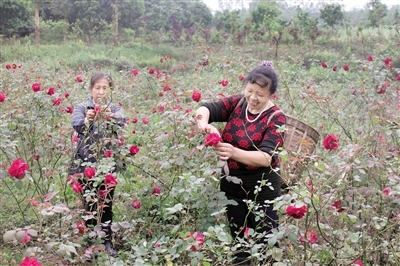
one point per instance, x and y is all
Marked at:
(224, 150)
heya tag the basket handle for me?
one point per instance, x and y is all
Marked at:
(272, 115)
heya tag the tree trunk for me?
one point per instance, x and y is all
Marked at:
(37, 25)
(115, 22)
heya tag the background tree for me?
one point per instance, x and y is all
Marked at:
(377, 13)
(15, 18)
(332, 14)
(266, 16)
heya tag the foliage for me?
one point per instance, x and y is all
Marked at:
(16, 19)
(376, 13)
(332, 14)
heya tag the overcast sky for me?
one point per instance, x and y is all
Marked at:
(348, 4)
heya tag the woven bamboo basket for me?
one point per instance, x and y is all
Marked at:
(300, 143)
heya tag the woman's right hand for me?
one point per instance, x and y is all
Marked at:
(207, 129)
(90, 115)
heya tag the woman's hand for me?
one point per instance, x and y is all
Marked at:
(224, 150)
(90, 115)
(207, 129)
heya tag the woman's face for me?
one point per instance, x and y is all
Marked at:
(100, 90)
(257, 97)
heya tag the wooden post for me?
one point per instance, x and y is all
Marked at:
(37, 24)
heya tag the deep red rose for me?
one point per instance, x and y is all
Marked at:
(30, 262)
(2, 97)
(346, 68)
(310, 237)
(14, 66)
(69, 109)
(134, 120)
(81, 226)
(161, 108)
(135, 72)
(79, 79)
(108, 153)
(388, 62)
(212, 139)
(196, 96)
(398, 77)
(51, 91)
(324, 65)
(338, 206)
(110, 180)
(167, 87)
(66, 95)
(156, 191)
(134, 149)
(136, 204)
(151, 70)
(77, 187)
(57, 101)
(161, 94)
(223, 82)
(145, 120)
(18, 168)
(334, 68)
(89, 172)
(8, 66)
(241, 77)
(296, 212)
(331, 142)
(36, 87)
(369, 58)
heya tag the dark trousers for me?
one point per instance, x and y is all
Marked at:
(239, 218)
(103, 207)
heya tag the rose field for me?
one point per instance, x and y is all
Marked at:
(168, 210)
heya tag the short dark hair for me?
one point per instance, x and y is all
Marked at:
(101, 75)
(263, 76)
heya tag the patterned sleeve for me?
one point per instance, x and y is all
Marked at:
(221, 109)
(273, 139)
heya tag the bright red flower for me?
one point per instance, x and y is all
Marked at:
(18, 168)
(108, 153)
(2, 97)
(296, 212)
(30, 262)
(89, 172)
(79, 79)
(388, 62)
(196, 96)
(334, 68)
(324, 64)
(241, 77)
(387, 191)
(110, 180)
(36, 87)
(398, 77)
(134, 149)
(136, 204)
(8, 66)
(161, 108)
(69, 109)
(145, 120)
(81, 226)
(156, 191)
(57, 101)
(338, 206)
(369, 58)
(331, 142)
(51, 91)
(151, 70)
(346, 67)
(167, 87)
(14, 66)
(135, 72)
(134, 120)
(66, 95)
(223, 82)
(310, 237)
(212, 139)
(77, 187)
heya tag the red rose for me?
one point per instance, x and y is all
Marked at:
(77, 187)
(334, 68)
(14, 66)
(296, 212)
(18, 168)
(36, 87)
(51, 91)
(324, 65)
(69, 109)
(66, 95)
(196, 96)
(212, 139)
(241, 77)
(167, 87)
(136, 204)
(110, 180)
(223, 82)
(89, 172)
(338, 206)
(346, 68)
(30, 262)
(369, 58)
(151, 70)
(134, 149)
(79, 79)
(2, 97)
(134, 120)
(57, 101)
(388, 62)
(156, 191)
(331, 142)
(81, 226)
(8, 66)
(145, 120)
(108, 153)
(135, 72)
(397, 78)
